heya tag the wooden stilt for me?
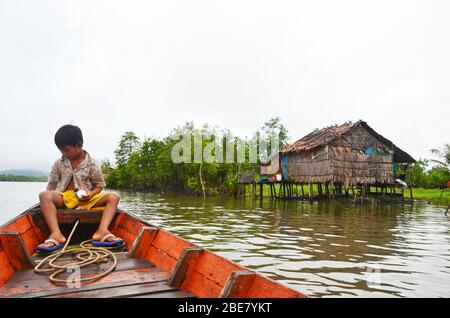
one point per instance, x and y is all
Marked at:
(363, 192)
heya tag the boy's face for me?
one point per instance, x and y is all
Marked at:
(71, 152)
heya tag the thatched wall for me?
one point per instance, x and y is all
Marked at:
(343, 161)
(310, 166)
(350, 165)
(353, 168)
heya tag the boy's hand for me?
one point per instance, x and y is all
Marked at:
(86, 197)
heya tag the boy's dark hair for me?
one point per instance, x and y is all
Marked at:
(68, 135)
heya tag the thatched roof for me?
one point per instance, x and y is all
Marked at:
(321, 137)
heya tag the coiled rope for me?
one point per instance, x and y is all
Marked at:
(85, 255)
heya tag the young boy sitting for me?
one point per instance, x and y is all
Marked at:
(74, 171)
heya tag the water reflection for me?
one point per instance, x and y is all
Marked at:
(322, 248)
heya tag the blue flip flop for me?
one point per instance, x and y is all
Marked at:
(104, 243)
(55, 247)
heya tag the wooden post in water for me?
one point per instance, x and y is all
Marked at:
(363, 192)
(409, 182)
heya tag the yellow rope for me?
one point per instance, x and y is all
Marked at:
(85, 255)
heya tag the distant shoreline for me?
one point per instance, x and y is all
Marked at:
(14, 178)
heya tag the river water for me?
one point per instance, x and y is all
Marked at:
(326, 249)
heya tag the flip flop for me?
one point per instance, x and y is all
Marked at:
(55, 247)
(103, 241)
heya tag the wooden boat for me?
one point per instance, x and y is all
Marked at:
(153, 263)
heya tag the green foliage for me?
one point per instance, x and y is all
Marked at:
(443, 154)
(127, 145)
(274, 127)
(428, 176)
(148, 165)
(437, 196)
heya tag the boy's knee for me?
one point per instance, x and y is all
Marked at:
(45, 195)
(114, 197)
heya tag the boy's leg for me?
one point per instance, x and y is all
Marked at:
(110, 201)
(50, 201)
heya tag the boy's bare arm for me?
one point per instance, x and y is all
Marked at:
(95, 191)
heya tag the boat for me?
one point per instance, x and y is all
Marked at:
(152, 263)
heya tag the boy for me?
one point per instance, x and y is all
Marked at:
(74, 171)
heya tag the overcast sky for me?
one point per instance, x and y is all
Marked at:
(148, 66)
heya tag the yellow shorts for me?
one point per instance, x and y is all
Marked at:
(71, 200)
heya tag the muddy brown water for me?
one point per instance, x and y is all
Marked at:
(323, 249)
